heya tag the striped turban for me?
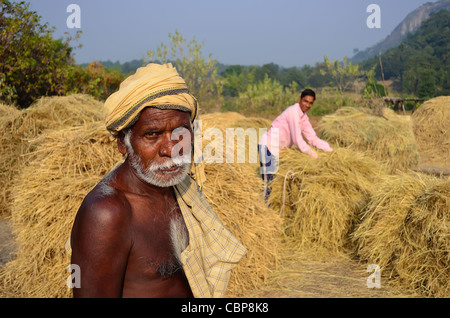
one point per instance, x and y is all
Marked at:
(154, 85)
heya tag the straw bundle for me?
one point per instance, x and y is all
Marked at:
(242, 148)
(67, 164)
(18, 127)
(321, 199)
(47, 192)
(389, 138)
(219, 120)
(405, 230)
(431, 124)
(234, 190)
(236, 197)
(252, 122)
(6, 110)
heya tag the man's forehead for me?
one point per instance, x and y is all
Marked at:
(161, 117)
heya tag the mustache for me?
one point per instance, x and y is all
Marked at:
(170, 163)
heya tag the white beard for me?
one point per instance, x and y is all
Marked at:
(153, 174)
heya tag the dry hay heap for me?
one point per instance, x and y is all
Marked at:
(405, 230)
(431, 123)
(388, 138)
(8, 110)
(252, 122)
(234, 191)
(234, 135)
(66, 164)
(230, 190)
(64, 167)
(321, 199)
(17, 127)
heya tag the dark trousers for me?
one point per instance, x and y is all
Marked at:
(268, 168)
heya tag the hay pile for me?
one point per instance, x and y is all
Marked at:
(239, 125)
(7, 110)
(66, 164)
(388, 138)
(234, 190)
(321, 199)
(17, 127)
(219, 120)
(431, 124)
(406, 231)
(252, 122)
(230, 190)
(64, 167)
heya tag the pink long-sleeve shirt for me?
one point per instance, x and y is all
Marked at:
(288, 129)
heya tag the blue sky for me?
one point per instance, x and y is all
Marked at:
(247, 32)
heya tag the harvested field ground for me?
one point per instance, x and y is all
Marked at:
(309, 276)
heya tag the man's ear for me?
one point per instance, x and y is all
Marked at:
(121, 143)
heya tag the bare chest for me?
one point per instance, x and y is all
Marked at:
(159, 237)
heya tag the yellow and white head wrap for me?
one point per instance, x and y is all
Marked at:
(154, 85)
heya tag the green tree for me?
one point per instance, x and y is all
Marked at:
(316, 76)
(95, 80)
(292, 74)
(271, 70)
(427, 84)
(373, 89)
(419, 77)
(236, 79)
(201, 75)
(342, 74)
(33, 64)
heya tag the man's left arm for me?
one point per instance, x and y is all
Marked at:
(311, 136)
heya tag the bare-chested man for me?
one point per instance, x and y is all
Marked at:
(146, 230)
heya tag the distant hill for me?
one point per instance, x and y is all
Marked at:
(420, 65)
(409, 25)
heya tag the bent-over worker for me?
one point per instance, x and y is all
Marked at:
(288, 129)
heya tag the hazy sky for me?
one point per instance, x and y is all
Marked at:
(247, 32)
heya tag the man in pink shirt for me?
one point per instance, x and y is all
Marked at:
(287, 130)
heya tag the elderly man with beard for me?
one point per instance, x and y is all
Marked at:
(146, 229)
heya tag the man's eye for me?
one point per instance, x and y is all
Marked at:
(151, 133)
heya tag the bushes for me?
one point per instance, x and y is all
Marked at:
(94, 80)
(33, 63)
(268, 99)
(265, 98)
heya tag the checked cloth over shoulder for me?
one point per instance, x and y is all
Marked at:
(213, 251)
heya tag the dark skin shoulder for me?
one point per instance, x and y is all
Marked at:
(101, 241)
(121, 241)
